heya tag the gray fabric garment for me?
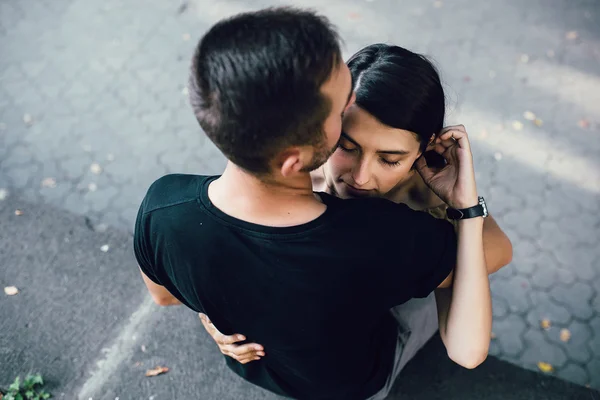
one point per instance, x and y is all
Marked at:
(417, 323)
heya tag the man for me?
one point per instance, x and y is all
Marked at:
(258, 252)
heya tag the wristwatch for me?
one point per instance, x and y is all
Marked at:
(480, 210)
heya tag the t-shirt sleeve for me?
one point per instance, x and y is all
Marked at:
(437, 257)
(141, 245)
(435, 254)
(424, 255)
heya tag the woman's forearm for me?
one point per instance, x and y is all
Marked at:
(467, 324)
(496, 245)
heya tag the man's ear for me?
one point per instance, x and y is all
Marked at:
(290, 162)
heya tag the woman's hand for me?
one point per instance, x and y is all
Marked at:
(455, 182)
(244, 353)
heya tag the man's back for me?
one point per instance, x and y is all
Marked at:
(317, 295)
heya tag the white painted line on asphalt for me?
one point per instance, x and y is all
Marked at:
(121, 348)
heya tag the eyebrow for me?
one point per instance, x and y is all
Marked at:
(354, 142)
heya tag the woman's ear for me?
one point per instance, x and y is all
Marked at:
(431, 143)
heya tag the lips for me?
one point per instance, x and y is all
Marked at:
(355, 192)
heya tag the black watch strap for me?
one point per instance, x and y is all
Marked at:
(480, 210)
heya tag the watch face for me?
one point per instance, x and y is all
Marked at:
(484, 206)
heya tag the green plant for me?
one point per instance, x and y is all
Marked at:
(30, 389)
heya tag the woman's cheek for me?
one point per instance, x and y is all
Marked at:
(392, 177)
(340, 162)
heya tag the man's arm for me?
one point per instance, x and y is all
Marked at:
(160, 294)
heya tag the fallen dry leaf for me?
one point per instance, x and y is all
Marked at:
(517, 125)
(157, 371)
(11, 290)
(545, 324)
(572, 35)
(565, 335)
(583, 123)
(104, 248)
(538, 122)
(529, 116)
(3, 194)
(143, 348)
(49, 183)
(18, 213)
(96, 168)
(545, 367)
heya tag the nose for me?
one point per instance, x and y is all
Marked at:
(361, 173)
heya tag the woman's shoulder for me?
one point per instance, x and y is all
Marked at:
(318, 180)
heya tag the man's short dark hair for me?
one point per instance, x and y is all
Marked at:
(255, 83)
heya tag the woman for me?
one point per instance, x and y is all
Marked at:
(399, 109)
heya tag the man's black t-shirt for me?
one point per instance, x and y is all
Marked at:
(317, 296)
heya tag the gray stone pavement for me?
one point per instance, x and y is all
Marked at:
(92, 110)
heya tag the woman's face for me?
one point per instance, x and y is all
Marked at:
(372, 158)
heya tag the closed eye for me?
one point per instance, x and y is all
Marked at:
(389, 163)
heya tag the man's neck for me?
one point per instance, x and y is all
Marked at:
(269, 201)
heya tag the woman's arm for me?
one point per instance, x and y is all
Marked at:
(465, 309)
(496, 246)
(465, 312)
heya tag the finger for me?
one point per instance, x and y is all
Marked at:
(204, 317)
(246, 348)
(247, 360)
(454, 128)
(460, 137)
(210, 328)
(423, 169)
(227, 339)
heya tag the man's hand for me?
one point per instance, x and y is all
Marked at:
(244, 353)
(455, 183)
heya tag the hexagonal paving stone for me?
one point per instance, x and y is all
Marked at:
(545, 308)
(576, 298)
(514, 291)
(508, 333)
(594, 325)
(594, 369)
(499, 307)
(577, 347)
(538, 349)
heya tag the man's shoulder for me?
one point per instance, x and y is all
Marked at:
(172, 190)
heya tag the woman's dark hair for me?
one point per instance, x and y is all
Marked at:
(400, 88)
